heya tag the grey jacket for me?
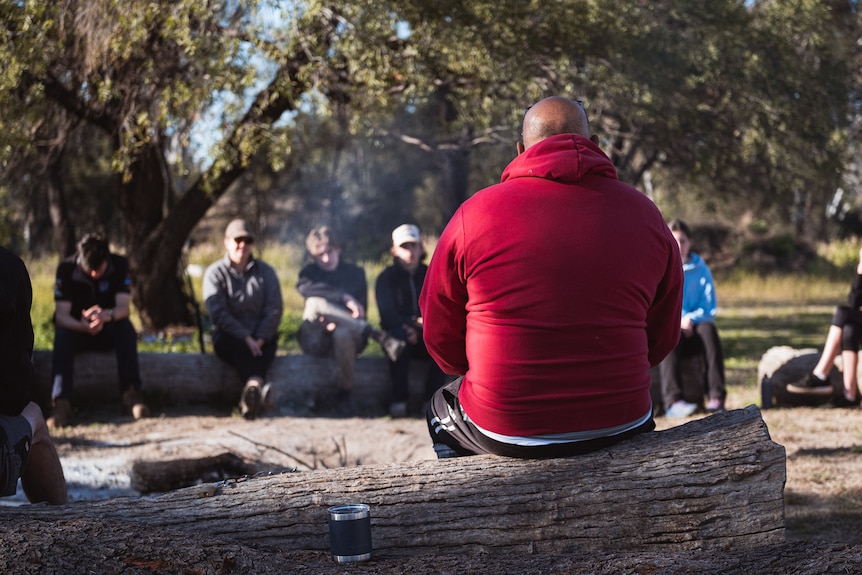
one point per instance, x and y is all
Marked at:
(243, 304)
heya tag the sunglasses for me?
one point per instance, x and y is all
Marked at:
(244, 240)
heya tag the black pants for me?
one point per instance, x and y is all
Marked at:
(399, 372)
(704, 340)
(850, 322)
(235, 353)
(117, 335)
(447, 426)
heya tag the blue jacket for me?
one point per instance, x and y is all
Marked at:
(698, 292)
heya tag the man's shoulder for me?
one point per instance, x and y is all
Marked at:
(218, 266)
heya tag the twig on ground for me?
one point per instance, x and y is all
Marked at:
(273, 448)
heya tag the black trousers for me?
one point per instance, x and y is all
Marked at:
(448, 427)
(704, 340)
(117, 335)
(235, 353)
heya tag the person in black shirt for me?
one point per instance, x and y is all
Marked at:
(334, 322)
(92, 308)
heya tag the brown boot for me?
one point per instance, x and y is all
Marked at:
(62, 414)
(134, 404)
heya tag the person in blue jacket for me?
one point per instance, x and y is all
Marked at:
(698, 332)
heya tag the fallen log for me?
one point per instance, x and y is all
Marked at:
(160, 476)
(712, 484)
(304, 385)
(781, 366)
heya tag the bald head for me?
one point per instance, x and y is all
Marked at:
(553, 116)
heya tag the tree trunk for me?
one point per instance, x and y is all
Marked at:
(64, 231)
(157, 232)
(711, 485)
(158, 290)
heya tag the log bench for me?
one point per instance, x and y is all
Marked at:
(781, 366)
(304, 385)
(710, 485)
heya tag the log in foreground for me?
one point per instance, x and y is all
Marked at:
(711, 484)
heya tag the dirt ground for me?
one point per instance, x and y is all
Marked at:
(823, 493)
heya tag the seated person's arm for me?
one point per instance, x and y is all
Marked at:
(122, 308)
(63, 317)
(307, 288)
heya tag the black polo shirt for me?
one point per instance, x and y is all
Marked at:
(75, 286)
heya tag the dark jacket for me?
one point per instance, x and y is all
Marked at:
(16, 334)
(397, 293)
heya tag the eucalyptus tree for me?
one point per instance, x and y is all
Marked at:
(143, 72)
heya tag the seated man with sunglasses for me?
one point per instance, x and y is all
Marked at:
(243, 299)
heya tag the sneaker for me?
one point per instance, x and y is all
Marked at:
(62, 414)
(250, 400)
(810, 384)
(714, 405)
(842, 401)
(810, 380)
(398, 409)
(267, 398)
(680, 409)
(393, 347)
(133, 403)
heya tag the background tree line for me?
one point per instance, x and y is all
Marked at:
(137, 116)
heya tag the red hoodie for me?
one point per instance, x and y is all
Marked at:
(553, 293)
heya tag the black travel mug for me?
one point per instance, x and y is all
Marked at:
(350, 532)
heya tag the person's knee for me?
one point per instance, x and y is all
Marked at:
(33, 414)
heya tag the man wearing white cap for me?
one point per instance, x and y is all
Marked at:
(243, 299)
(397, 291)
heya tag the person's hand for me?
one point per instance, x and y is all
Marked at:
(91, 319)
(254, 346)
(686, 326)
(357, 310)
(412, 334)
(91, 313)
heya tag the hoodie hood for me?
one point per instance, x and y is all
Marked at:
(564, 158)
(694, 262)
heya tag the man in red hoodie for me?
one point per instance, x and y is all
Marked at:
(550, 294)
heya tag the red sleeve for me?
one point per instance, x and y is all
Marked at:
(443, 301)
(663, 316)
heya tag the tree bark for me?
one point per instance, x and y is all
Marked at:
(714, 484)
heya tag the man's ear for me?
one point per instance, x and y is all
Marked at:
(520, 146)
